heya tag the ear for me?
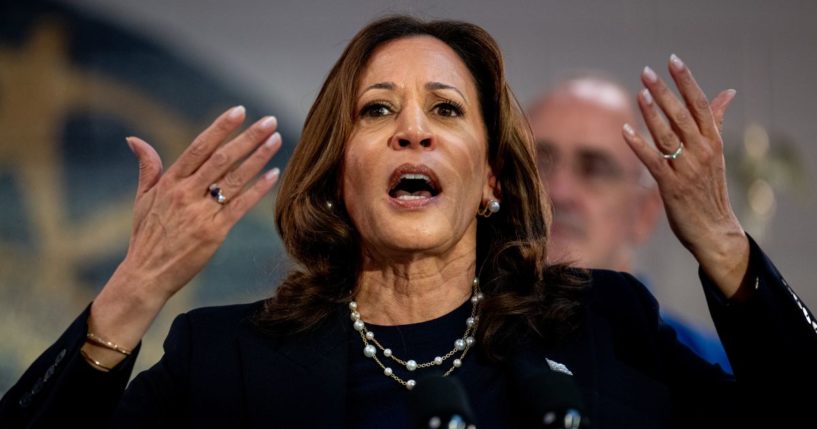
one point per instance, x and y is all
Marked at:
(492, 189)
(649, 208)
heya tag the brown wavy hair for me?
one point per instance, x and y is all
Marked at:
(521, 290)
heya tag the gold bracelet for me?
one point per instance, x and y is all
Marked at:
(95, 363)
(93, 339)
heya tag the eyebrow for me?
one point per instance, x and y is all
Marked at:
(381, 85)
(431, 86)
(583, 150)
(598, 154)
(545, 144)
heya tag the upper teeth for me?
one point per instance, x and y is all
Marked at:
(415, 177)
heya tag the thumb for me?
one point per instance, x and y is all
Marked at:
(719, 105)
(150, 164)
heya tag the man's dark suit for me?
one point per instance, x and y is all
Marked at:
(219, 371)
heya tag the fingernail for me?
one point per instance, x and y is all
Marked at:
(236, 112)
(268, 122)
(273, 139)
(676, 62)
(645, 94)
(649, 75)
(130, 145)
(629, 130)
(272, 174)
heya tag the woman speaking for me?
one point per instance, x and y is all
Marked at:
(419, 227)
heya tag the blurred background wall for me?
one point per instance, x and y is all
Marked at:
(76, 77)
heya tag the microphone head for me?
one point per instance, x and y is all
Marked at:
(552, 400)
(437, 401)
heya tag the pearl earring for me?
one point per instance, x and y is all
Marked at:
(488, 209)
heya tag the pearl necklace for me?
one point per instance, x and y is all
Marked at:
(461, 345)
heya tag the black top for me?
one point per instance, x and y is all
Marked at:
(219, 370)
(376, 401)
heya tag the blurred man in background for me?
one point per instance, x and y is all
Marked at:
(605, 203)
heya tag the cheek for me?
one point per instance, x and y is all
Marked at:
(356, 162)
(469, 160)
(468, 191)
(614, 213)
(360, 191)
(351, 165)
(354, 208)
(351, 182)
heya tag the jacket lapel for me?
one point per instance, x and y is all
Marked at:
(296, 381)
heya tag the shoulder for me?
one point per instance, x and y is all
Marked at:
(622, 303)
(212, 324)
(614, 291)
(233, 314)
(625, 325)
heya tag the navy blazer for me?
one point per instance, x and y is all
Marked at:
(218, 370)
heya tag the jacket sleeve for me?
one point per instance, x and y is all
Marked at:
(770, 338)
(159, 396)
(60, 389)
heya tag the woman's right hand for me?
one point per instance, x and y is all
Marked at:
(178, 225)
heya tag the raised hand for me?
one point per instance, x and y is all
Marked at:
(179, 221)
(688, 164)
(178, 224)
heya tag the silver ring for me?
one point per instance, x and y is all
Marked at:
(675, 154)
(215, 192)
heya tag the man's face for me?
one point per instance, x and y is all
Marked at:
(592, 177)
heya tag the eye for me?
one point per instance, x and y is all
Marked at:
(600, 168)
(546, 158)
(449, 109)
(376, 109)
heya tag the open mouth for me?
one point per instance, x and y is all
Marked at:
(413, 182)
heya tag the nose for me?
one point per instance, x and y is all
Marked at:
(412, 130)
(561, 184)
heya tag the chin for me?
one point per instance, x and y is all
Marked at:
(432, 227)
(559, 249)
(419, 238)
(415, 237)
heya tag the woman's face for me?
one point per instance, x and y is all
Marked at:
(415, 166)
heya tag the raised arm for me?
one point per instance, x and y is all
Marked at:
(179, 222)
(690, 170)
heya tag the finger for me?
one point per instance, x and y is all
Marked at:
(657, 166)
(150, 164)
(676, 112)
(233, 182)
(208, 141)
(665, 138)
(695, 98)
(237, 208)
(719, 105)
(225, 157)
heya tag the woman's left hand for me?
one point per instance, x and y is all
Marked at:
(691, 173)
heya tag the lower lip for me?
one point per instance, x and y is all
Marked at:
(413, 203)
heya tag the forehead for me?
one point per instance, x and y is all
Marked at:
(572, 125)
(417, 58)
